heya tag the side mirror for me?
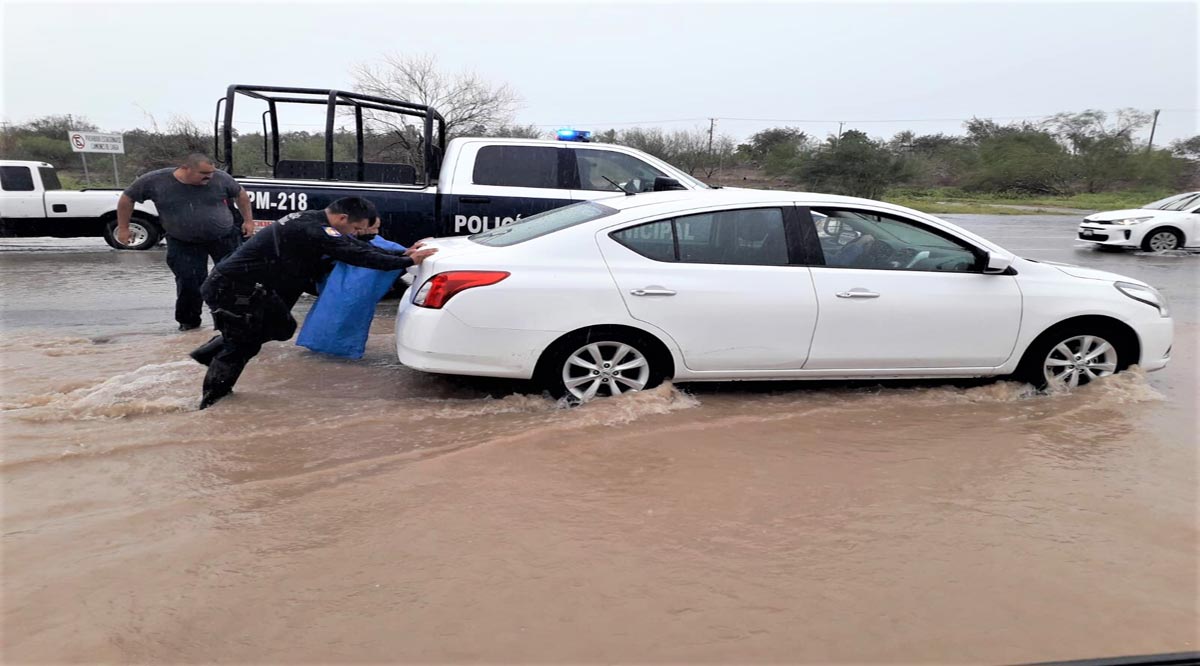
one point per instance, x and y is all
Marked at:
(662, 184)
(997, 263)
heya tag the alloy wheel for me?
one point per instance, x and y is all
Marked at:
(1078, 361)
(605, 369)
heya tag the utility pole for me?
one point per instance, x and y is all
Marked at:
(1153, 126)
(712, 123)
(839, 136)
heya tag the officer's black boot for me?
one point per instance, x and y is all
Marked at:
(205, 353)
(219, 380)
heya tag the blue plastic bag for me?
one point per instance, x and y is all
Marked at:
(340, 320)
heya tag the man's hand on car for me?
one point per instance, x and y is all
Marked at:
(419, 254)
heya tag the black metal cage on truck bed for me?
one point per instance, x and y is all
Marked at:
(433, 145)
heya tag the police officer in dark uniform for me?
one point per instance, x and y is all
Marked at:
(252, 291)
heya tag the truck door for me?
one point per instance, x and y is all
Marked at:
(22, 197)
(495, 184)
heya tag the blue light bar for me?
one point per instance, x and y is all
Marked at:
(574, 135)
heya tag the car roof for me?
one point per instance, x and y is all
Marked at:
(731, 196)
(24, 163)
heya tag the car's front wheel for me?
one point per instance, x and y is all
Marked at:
(1162, 240)
(1068, 357)
(601, 363)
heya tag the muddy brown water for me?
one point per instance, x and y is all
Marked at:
(335, 511)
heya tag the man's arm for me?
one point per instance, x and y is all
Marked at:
(247, 211)
(124, 212)
(358, 253)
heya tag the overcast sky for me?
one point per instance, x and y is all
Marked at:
(594, 66)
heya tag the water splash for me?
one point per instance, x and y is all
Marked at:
(151, 389)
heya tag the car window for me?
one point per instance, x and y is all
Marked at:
(542, 224)
(655, 240)
(863, 239)
(49, 179)
(16, 179)
(630, 173)
(518, 166)
(749, 237)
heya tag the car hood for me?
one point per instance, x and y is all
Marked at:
(1087, 273)
(1110, 215)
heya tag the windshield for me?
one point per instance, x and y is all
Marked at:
(1177, 202)
(694, 181)
(542, 224)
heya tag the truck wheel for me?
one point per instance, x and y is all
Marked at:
(143, 235)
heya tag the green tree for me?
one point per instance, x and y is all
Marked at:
(768, 141)
(853, 164)
(1020, 160)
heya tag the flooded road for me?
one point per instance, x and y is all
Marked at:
(335, 511)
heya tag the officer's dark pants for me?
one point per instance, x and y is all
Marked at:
(189, 263)
(247, 316)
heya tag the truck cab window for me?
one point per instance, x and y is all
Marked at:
(16, 179)
(632, 174)
(49, 179)
(518, 166)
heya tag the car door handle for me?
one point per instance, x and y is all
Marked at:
(476, 200)
(652, 291)
(857, 293)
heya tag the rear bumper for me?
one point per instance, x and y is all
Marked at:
(437, 341)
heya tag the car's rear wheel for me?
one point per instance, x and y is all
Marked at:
(1162, 240)
(1071, 356)
(143, 235)
(601, 363)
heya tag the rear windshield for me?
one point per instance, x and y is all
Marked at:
(542, 224)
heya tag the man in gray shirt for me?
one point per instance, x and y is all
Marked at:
(193, 206)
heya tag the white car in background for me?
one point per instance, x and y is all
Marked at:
(604, 297)
(1168, 224)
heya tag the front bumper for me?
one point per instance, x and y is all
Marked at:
(437, 341)
(1156, 338)
(1109, 234)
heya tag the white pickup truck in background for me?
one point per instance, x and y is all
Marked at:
(33, 203)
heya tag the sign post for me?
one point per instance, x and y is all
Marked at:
(95, 142)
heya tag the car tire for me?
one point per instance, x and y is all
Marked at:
(601, 362)
(143, 235)
(1075, 354)
(1163, 239)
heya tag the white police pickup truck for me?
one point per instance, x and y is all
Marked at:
(465, 187)
(33, 203)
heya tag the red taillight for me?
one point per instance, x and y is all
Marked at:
(439, 288)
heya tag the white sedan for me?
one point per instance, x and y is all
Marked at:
(601, 298)
(1169, 224)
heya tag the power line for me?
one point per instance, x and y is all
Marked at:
(820, 120)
